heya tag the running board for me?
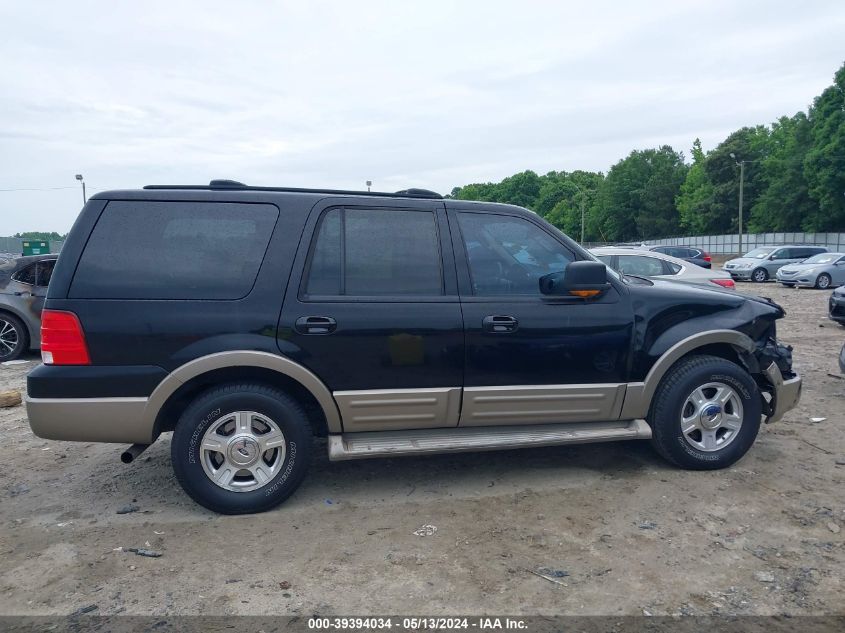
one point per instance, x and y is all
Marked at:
(455, 440)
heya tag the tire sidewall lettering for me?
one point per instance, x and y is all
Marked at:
(199, 431)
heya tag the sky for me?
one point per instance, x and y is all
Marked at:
(407, 94)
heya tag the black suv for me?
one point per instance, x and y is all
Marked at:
(247, 320)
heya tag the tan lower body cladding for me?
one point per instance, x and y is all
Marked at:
(395, 409)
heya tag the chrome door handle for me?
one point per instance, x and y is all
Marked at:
(316, 325)
(499, 324)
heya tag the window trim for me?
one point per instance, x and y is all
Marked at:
(458, 234)
(36, 264)
(663, 264)
(302, 293)
(15, 276)
(162, 201)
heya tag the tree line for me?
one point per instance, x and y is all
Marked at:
(794, 181)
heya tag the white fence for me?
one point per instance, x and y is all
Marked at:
(14, 245)
(729, 244)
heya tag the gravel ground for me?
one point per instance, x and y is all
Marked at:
(614, 529)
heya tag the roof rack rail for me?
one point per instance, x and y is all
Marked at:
(239, 186)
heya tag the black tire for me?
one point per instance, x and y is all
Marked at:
(209, 407)
(15, 337)
(665, 417)
(823, 284)
(759, 275)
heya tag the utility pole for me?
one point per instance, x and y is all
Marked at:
(582, 217)
(84, 198)
(583, 203)
(741, 164)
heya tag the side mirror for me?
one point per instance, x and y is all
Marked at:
(580, 279)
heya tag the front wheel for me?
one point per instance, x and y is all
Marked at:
(823, 281)
(242, 448)
(705, 414)
(760, 275)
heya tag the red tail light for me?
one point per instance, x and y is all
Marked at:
(62, 339)
(725, 283)
(707, 257)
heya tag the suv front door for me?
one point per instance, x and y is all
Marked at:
(375, 313)
(530, 358)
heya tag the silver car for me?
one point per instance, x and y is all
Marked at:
(762, 264)
(819, 271)
(656, 265)
(23, 288)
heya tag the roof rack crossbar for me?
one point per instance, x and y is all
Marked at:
(216, 185)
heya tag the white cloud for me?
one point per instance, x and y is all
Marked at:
(431, 94)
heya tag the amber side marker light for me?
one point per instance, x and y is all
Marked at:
(585, 293)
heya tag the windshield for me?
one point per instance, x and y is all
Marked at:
(759, 253)
(823, 258)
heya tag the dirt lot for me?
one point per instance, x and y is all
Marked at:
(625, 532)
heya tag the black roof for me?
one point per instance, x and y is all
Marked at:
(230, 185)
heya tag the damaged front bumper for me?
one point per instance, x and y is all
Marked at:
(785, 393)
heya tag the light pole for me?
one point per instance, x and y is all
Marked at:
(581, 191)
(741, 164)
(79, 178)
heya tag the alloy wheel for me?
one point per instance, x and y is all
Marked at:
(711, 417)
(9, 338)
(242, 451)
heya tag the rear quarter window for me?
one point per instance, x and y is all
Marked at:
(174, 250)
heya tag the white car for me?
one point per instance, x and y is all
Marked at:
(823, 271)
(655, 265)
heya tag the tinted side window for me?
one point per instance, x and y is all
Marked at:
(508, 255)
(672, 269)
(371, 252)
(640, 265)
(174, 250)
(26, 275)
(44, 270)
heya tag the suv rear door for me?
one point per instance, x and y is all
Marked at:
(374, 312)
(530, 358)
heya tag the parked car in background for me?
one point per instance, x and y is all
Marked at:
(23, 288)
(687, 253)
(656, 265)
(762, 264)
(823, 271)
(836, 306)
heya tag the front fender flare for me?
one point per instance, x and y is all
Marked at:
(639, 395)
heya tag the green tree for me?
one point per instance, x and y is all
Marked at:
(695, 195)
(41, 235)
(637, 199)
(824, 165)
(749, 144)
(785, 201)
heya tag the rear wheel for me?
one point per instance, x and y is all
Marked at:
(760, 275)
(241, 448)
(705, 414)
(13, 337)
(823, 281)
